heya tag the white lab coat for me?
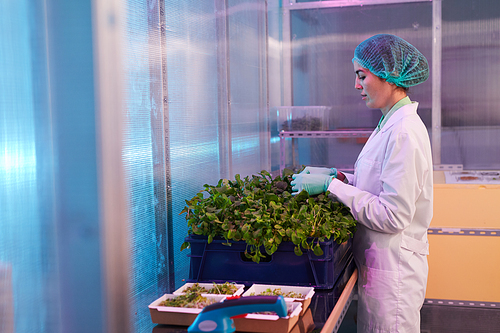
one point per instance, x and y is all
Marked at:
(391, 197)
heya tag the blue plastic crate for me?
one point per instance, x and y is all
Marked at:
(324, 301)
(216, 262)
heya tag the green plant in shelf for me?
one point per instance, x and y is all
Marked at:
(261, 211)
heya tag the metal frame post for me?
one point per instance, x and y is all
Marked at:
(109, 32)
(223, 90)
(436, 80)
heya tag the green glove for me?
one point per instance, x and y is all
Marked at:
(313, 183)
(319, 170)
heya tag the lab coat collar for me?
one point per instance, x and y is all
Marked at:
(405, 110)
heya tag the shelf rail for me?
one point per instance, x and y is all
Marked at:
(334, 321)
(335, 134)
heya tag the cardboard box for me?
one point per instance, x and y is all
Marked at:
(307, 292)
(175, 315)
(305, 324)
(269, 323)
(208, 286)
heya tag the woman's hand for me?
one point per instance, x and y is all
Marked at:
(312, 183)
(319, 170)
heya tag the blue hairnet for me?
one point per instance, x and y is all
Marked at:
(393, 59)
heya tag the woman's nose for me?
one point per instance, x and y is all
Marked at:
(357, 85)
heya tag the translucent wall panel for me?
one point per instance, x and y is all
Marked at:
(215, 56)
(49, 218)
(144, 161)
(193, 130)
(274, 73)
(248, 85)
(323, 43)
(470, 81)
(22, 223)
(181, 124)
(174, 88)
(73, 116)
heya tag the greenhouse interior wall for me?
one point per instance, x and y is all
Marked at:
(114, 113)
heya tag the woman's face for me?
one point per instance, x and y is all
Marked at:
(376, 92)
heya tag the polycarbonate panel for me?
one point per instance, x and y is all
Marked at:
(323, 43)
(172, 146)
(143, 160)
(248, 85)
(21, 214)
(216, 82)
(30, 268)
(470, 81)
(74, 134)
(193, 129)
(49, 225)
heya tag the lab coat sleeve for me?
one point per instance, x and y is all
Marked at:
(349, 176)
(401, 178)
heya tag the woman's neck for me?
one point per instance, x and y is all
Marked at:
(398, 95)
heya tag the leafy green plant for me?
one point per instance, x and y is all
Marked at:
(261, 211)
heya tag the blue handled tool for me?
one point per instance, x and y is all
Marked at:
(217, 317)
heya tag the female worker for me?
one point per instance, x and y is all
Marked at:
(390, 192)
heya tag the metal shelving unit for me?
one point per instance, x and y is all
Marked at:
(334, 134)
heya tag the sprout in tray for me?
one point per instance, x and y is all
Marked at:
(261, 211)
(188, 300)
(302, 124)
(225, 288)
(278, 292)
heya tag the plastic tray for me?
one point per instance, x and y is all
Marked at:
(176, 315)
(269, 323)
(303, 118)
(324, 301)
(306, 292)
(216, 262)
(208, 286)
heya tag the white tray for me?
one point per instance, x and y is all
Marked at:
(208, 286)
